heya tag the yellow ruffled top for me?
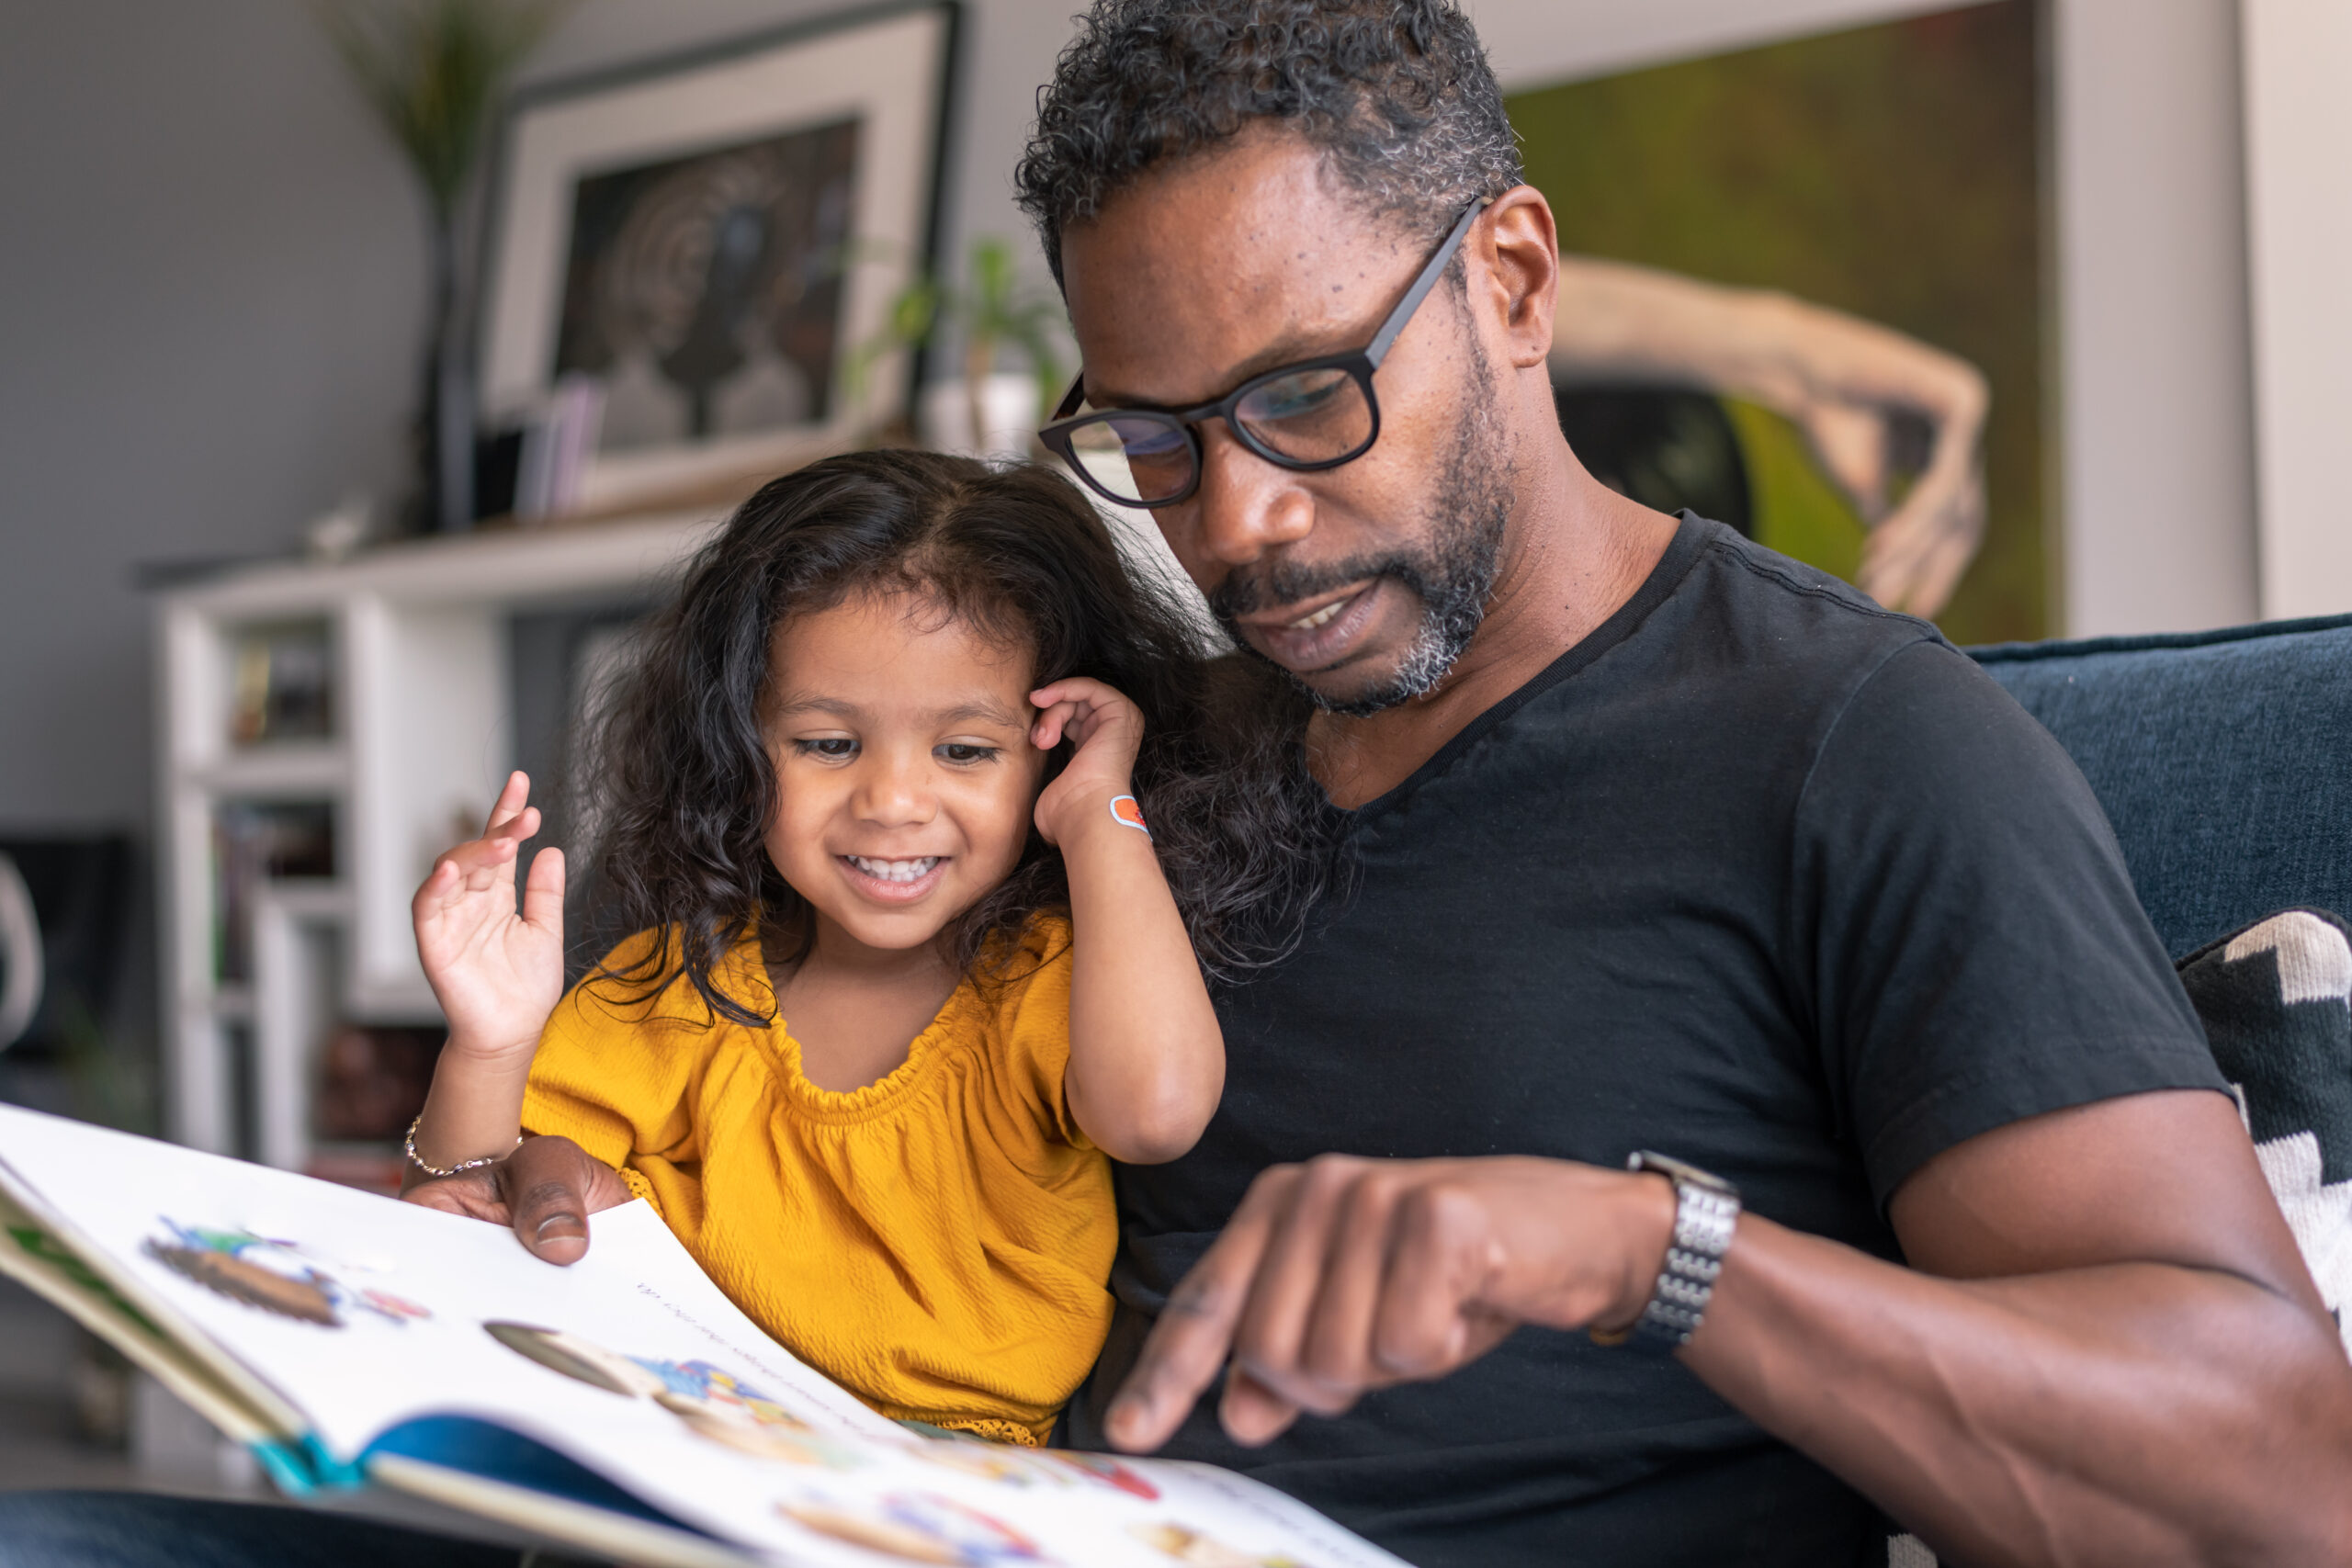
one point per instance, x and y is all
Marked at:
(938, 1242)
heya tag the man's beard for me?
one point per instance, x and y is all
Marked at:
(1453, 574)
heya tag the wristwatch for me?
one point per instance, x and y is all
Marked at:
(1706, 1211)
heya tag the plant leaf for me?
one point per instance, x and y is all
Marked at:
(433, 71)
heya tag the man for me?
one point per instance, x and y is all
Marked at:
(1661, 842)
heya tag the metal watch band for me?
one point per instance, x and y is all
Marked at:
(1706, 1212)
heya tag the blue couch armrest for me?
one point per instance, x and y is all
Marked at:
(2223, 760)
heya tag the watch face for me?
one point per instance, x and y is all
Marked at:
(1678, 1171)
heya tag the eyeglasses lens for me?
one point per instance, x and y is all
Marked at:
(1135, 457)
(1308, 416)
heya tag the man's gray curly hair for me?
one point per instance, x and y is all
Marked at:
(1397, 93)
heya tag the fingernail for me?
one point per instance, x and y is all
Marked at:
(557, 1226)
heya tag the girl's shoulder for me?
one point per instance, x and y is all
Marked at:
(643, 983)
(1018, 991)
(1010, 965)
(1013, 1016)
(1046, 938)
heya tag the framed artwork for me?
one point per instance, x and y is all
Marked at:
(702, 243)
(1803, 293)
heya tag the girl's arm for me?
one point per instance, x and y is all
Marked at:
(497, 975)
(1146, 1059)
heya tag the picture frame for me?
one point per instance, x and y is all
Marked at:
(707, 240)
(1803, 291)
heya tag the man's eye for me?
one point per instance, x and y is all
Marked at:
(963, 754)
(832, 748)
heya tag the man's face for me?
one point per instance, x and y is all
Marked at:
(1364, 581)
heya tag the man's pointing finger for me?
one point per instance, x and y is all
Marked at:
(1189, 1344)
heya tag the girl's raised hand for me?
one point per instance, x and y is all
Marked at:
(497, 973)
(1106, 728)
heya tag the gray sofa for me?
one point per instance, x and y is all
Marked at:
(2224, 758)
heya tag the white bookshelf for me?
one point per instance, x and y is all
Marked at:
(421, 734)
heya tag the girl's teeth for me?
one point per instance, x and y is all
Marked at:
(1308, 623)
(894, 869)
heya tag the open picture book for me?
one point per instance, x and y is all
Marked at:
(358, 1345)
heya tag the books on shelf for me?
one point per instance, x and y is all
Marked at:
(623, 1405)
(255, 843)
(532, 467)
(282, 680)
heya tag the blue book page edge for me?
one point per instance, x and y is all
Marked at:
(494, 1453)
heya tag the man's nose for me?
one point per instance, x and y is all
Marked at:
(1245, 506)
(895, 789)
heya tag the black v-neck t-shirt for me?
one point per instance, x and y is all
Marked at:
(1757, 874)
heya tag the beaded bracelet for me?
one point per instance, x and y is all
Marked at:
(408, 1147)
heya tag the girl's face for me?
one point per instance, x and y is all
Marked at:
(905, 778)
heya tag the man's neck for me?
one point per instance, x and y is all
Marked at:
(1574, 551)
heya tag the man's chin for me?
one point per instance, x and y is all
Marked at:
(1362, 703)
(1347, 688)
(1404, 651)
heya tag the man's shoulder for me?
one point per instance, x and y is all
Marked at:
(1728, 628)
(1762, 609)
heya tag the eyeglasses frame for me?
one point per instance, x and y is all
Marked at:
(1360, 364)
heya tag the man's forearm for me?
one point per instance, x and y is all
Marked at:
(2137, 1413)
(2119, 1357)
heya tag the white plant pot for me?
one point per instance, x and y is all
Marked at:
(1008, 416)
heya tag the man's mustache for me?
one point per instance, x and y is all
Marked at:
(1286, 582)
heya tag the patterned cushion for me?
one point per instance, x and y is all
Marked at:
(2277, 1002)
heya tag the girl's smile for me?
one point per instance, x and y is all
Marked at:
(898, 871)
(896, 881)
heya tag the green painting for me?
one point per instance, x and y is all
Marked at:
(1802, 292)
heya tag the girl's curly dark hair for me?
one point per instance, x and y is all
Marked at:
(680, 787)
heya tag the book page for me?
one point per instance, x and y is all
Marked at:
(38, 1260)
(361, 1311)
(375, 1319)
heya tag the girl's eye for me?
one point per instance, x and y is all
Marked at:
(832, 748)
(964, 752)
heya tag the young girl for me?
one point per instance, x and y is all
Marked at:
(907, 966)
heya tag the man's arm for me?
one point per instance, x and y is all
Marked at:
(2107, 1351)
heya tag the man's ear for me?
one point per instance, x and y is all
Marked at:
(1519, 246)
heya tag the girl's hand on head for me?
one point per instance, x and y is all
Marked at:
(1106, 729)
(496, 973)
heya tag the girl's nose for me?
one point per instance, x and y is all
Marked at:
(896, 792)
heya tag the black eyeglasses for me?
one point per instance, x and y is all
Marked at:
(1317, 413)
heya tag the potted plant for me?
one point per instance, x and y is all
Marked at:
(992, 408)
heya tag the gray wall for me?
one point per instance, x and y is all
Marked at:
(209, 281)
(210, 296)
(2156, 394)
